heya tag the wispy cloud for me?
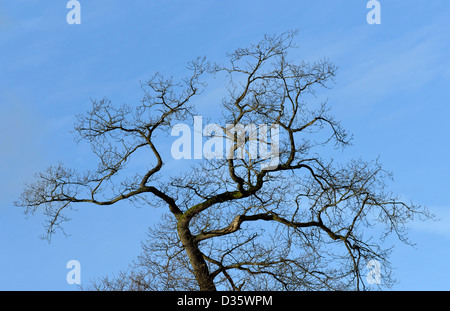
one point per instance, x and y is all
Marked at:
(404, 64)
(439, 227)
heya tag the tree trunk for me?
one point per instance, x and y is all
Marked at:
(198, 263)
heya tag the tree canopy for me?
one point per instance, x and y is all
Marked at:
(306, 223)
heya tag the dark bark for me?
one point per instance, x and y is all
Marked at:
(198, 263)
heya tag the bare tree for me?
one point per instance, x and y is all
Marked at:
(306, 223)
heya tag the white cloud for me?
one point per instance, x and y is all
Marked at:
(403, 64)
(439, 227)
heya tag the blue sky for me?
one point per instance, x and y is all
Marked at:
(391, 92)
